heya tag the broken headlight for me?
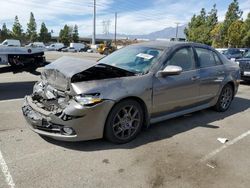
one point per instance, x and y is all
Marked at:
(88, 100)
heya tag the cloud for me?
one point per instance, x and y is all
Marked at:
(133, 17)
(54, 12)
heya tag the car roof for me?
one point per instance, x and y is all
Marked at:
(169, 44)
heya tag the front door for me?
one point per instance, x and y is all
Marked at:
(175, 93)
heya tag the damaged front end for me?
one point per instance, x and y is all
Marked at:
(46, 110)
(57, 114)
(56, 110)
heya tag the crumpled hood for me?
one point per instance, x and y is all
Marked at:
(66, 70)
(59, 73)
(69, 66)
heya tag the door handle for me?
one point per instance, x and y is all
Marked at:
(194, 78)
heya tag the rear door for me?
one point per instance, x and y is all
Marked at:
(175, 93)
(211, 73)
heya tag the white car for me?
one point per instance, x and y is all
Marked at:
(55, 47)
(11, 42)
(69, 49)
(36, 45)
(77, 46)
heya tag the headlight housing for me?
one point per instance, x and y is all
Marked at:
(88, 100)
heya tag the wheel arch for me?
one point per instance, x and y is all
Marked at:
(146, 116)
(231, 83)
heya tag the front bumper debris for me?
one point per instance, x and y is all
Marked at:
(85, 122)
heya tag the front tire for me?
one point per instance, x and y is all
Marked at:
(124, 122)
(225, 98)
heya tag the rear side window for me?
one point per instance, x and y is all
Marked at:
(206, 57)
(183, 58)
(217, 59)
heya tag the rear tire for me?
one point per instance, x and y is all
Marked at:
(124, 122)
(225, 99)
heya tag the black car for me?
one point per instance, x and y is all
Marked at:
(234, 53)
(244, 64)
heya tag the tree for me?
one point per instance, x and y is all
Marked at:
(234, 34)
(75, 35)
(17, 31)
(31, 28)
(216, 36)
(211, 22)
(193, 31)
(246, 32)
(44, 35)
(4, 33)
(200, 27)
(233, 14)
(65, 35)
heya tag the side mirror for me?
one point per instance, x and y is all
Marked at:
(170, 70)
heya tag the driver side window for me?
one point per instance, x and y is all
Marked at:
(183, 58)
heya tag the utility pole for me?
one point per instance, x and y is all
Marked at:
(94, 24)
(115, 26)
(177, 27)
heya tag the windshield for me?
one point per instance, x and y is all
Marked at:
(247, 54)
(137, 59)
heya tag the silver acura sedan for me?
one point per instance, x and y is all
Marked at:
(133, 87)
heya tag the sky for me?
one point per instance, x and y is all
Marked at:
(134, 16)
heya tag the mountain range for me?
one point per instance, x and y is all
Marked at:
(166, 33)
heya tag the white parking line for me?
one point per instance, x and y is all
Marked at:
(213, 153)
(11, 100)
(6, 173)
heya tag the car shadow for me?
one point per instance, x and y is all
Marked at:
(15, 90)
(247, 83)
(27, 68)
(163, 130)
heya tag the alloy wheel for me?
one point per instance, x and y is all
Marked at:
(126, 122)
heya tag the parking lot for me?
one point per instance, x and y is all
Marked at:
(181, 152)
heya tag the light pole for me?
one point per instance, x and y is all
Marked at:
(94, 24)
(115, 26)
(176, 33)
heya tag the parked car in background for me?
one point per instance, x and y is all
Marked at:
(36, 45)
(244, 64)
(233, 53)
(245, 50)
(85, 49)
(221, 50)
(69, 49)
(137, 85)
(77, 46)
(11, 42)
(55, 47)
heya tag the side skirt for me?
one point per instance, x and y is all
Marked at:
(179, 113)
